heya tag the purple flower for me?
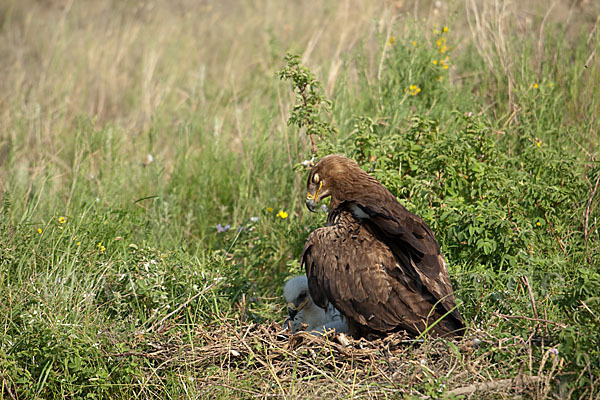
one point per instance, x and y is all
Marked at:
(221, 228)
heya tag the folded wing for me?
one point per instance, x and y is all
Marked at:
(349, 266)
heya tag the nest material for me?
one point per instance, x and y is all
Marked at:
(277, 363)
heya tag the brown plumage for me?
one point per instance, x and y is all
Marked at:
(377, 262)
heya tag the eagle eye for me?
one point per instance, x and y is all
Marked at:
(315, 178)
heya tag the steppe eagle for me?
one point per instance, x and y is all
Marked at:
(303, 311)
(375, 261)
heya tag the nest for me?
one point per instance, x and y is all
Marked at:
(257, 360)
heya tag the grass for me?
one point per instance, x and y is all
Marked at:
(130, 131)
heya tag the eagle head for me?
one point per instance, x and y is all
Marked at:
(333, 175)
(296, 295)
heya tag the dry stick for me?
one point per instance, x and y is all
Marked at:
(570, 394)
(261, 361)
(587, 63)
(303, 361)
(562, 247)
(587, 217)
(557, 364)
(7, 386)
(535, 313)
(153, 355)
(183, 305)
(266, 363)
(526, 281)
(255, 394)
(273, 373)
(530, 319)
(590, 311)
(495, 385)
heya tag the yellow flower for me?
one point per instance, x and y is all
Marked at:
(269, 209)
(434, 62)
(414, 89)
(443, 49)
(101, 248)
(282, 214)
(445, 66)
(445, 29)
(62, 220)
(538, 223)
(535, 85)
(39, 230)
(440, 78)
(78, 243)
(539, 143)
(392, 40)
(414, 43)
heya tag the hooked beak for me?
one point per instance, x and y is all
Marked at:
(292, 310)
(311, 205)
(292, 313)
(295, 307)
(313, 198)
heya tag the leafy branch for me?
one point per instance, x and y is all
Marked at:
(310, 101)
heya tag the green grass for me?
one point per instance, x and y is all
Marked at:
(114, 279)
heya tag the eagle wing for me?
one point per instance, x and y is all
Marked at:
(350, 267)
(414, 244)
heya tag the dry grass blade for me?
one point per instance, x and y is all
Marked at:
(587, 217)
(285, 365)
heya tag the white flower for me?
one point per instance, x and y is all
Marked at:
(308, 163)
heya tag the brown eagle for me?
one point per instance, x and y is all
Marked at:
(375, 261)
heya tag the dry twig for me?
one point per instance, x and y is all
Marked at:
(530, 319)
(292, 365)
(519, 381)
